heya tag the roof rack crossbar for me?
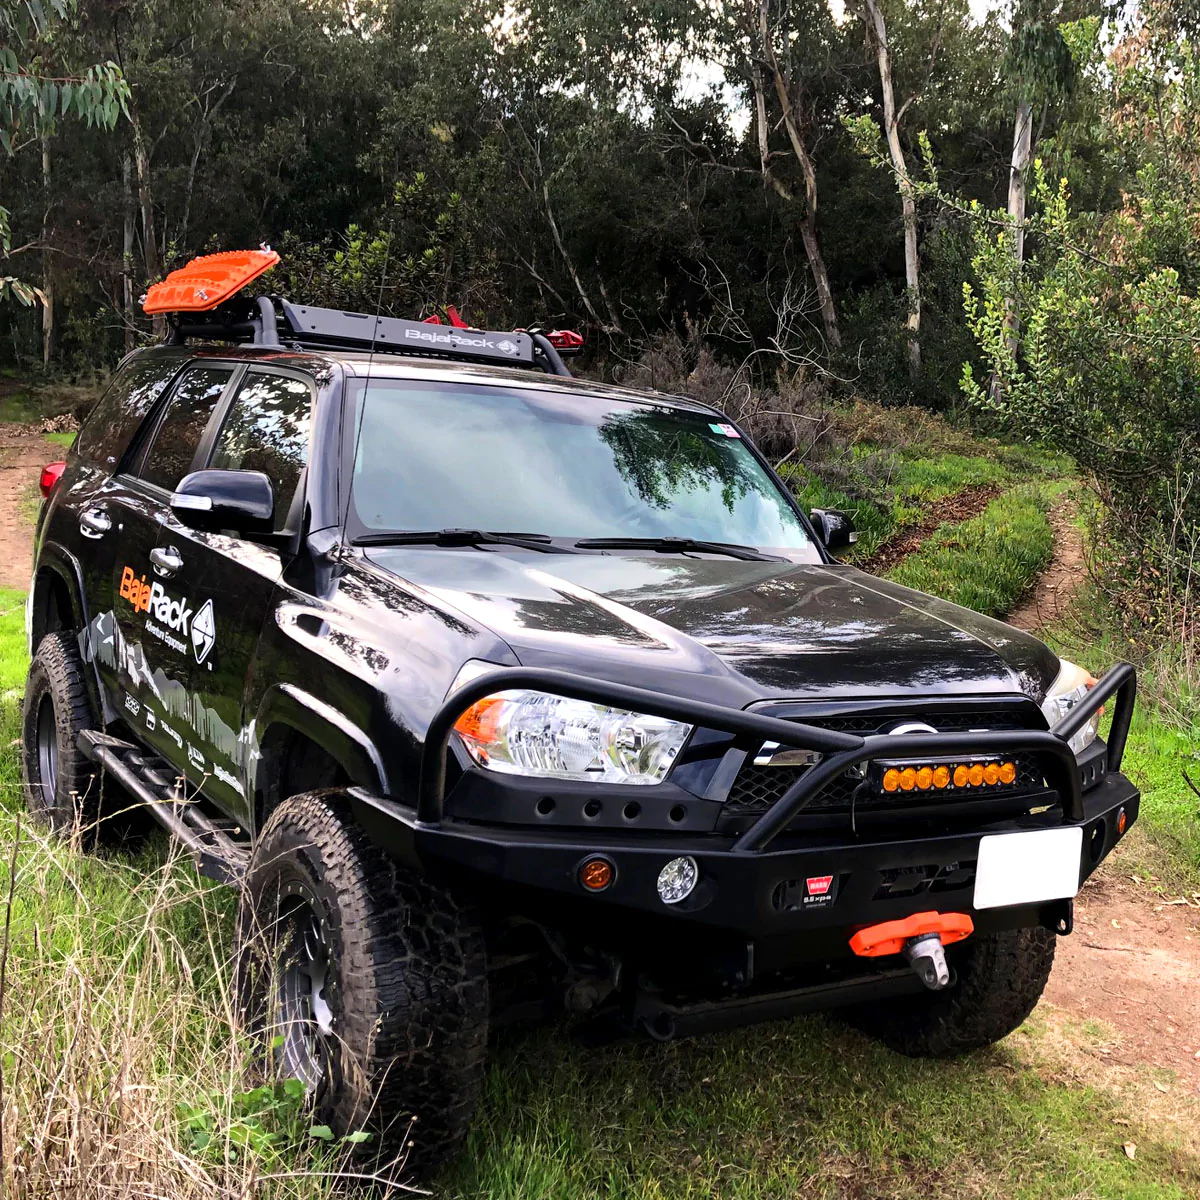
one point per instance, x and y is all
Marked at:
(262, 323)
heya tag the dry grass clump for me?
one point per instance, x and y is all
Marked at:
(124, 1068)
(787, 414)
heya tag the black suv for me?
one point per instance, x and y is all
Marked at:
(499, 693)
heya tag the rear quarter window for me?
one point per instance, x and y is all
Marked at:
(110, 426)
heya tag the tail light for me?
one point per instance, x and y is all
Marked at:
(51, 474)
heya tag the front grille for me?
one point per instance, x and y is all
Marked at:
(756, 788)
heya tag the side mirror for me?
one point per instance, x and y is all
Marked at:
(220, 499)
(834, 528)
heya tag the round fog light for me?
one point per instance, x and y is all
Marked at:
(677, 879)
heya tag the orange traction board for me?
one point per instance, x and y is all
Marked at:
(889, 938)
(209, 281)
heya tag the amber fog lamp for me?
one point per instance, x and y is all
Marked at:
(596, 874)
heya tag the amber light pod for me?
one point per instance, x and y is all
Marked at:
(975, 774)
(941, 777)
(961, 776)
(891, 779)
(1008, 772)
(596, 874)
(991, 774)
(908, 779)
(925, 778)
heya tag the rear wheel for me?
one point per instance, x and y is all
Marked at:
(1000, 978)
(61, 785)
(369, 980)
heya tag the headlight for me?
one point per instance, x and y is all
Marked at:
(534, 733)
(1072, 684)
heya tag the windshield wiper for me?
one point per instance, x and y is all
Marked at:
(463, 537)
(731, 549)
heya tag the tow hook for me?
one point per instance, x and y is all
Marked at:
(927, 957)
(921, 938)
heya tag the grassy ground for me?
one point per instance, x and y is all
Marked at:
(988, 562)
(124, 1071)
(902, 461)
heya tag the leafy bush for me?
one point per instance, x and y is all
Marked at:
(1091, 345)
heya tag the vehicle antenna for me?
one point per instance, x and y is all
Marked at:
(361, 408)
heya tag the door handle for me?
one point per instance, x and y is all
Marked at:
(166, 560)
(94, 523)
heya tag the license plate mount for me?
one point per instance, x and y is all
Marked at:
(1029, 867)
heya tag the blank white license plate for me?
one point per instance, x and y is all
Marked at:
(1027, 868)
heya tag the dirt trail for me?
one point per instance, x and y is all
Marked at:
(1133, 961)
(23, 454)
(1047, 600)
(970, 502)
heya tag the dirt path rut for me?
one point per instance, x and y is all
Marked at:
(1129, 975)
(23, 454)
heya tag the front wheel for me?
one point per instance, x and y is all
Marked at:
(369, 981)
(1000, 978)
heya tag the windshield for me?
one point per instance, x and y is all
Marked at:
(470, 456)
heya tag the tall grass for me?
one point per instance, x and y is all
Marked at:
(123, 1067)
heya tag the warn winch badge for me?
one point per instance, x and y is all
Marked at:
(818, 890)
(168, 617)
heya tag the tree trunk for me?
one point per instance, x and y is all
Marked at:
(150, 253)
(127, 254)
(47, 272)
(808, 227)
(1022, 148)
(908, 206)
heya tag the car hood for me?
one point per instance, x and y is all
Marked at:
(726, 629)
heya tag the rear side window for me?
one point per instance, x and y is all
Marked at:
(177, 438)
(110, 426)
(267, 430)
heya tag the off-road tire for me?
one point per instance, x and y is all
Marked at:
(406, 981)
(56, 679)
(1000, 978)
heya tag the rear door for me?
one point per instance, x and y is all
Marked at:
(229, 581)
(153, 616)
(91, 522)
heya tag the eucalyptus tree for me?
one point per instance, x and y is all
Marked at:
(43, 80)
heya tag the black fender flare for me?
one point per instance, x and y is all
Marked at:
(330, 728)
(57, 565)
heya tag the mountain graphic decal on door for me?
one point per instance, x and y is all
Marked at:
(204, 631)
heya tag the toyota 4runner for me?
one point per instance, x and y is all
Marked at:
(499, 693)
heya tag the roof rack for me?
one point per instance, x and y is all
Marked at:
(200, 301)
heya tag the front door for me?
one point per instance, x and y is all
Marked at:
(153, 617)
(228, 581)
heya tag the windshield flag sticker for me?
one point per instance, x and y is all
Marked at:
(727, 430)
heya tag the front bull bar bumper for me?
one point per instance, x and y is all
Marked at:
(745, 879)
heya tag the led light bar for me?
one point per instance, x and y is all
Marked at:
(943, 775)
